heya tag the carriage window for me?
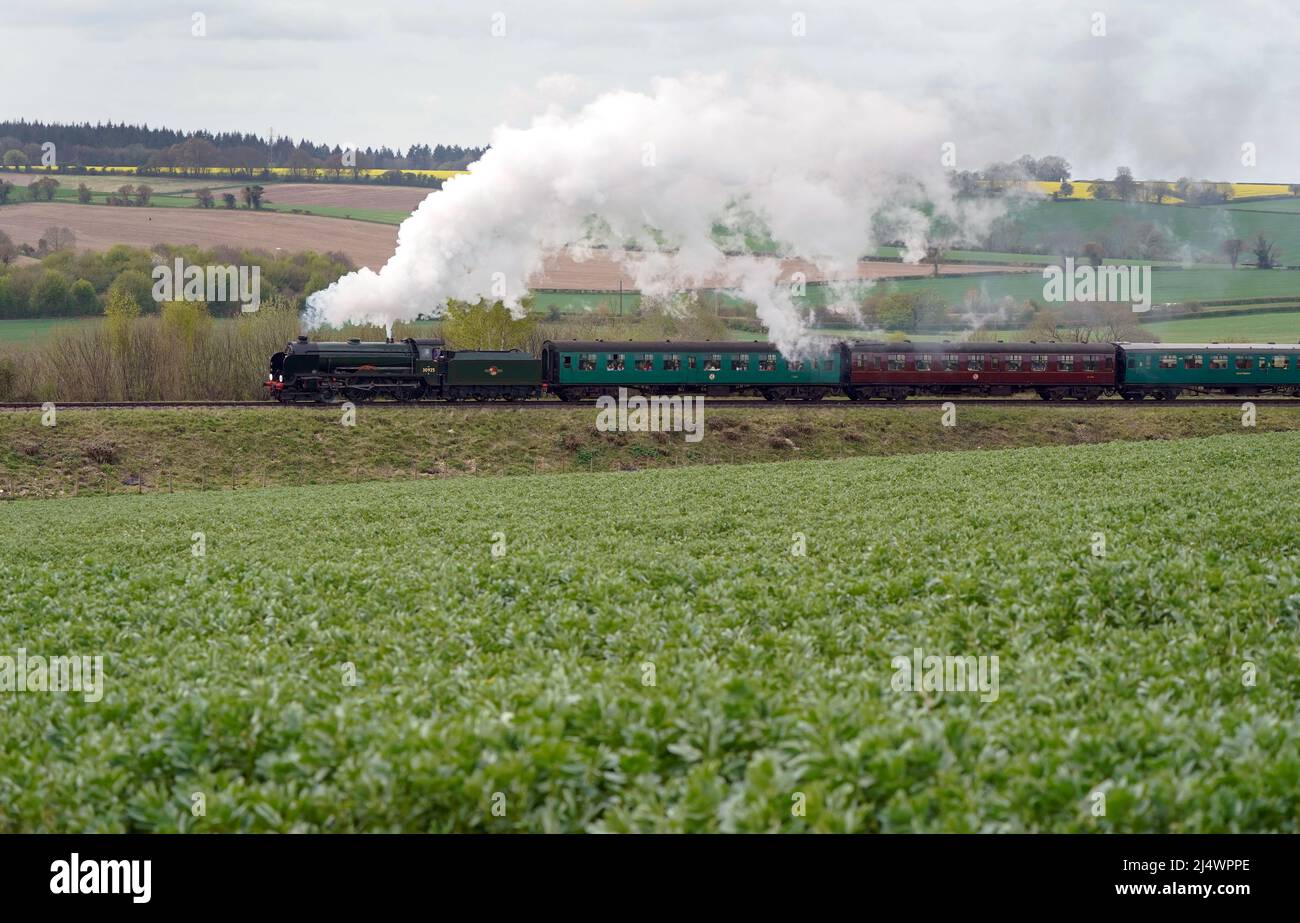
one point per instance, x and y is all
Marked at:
(1218, 362)
(1090, 363)
(795, 365)
(1243, 362)
(1013, 362)
(1169, 361)
(921, 363)
(767, 362)
(672, 363)
(975, 362)
(1038, 362)
(645, 363)
(614, 363)
(713, 363)
(1193, 362)
(740, 362)
(587, 362)
(897, 362)
(568, 362)
(690, 362)
(1279, 362)
(828, 364)
(426, 353)
(950, 362)
(1065, 363)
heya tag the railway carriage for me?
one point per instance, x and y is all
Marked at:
(1165, 370)
(575, 369)
(1054, 371)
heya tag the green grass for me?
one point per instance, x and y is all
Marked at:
(1290, 205)
(69, 195)
(339, 211)
(1280, 327)
(1168, 285)
(31, 331)
(1203, 228)
(525, 674)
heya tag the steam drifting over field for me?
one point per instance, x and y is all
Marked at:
(828, 173)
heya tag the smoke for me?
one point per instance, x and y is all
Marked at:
(684, 173)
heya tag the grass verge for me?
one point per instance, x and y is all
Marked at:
(145, 451)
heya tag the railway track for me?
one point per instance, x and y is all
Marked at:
(711, 402)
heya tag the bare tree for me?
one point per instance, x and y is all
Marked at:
(1094, 252)
(1232, 249)
(1266, 253)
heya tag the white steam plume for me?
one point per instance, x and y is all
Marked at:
(828, 173)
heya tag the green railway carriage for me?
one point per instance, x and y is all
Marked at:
(581, 369)
(1165, 370)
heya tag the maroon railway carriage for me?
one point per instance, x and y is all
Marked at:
(894, 371)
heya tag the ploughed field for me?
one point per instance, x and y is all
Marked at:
(645, 651)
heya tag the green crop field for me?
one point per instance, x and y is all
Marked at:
(645, 651)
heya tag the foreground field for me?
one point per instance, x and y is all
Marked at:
(150, 451)
(645, 652)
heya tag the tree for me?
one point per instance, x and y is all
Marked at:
(43, 188)
(897, 311)
(82, 299)
(143, 194)
(1294, 188)
(125, 193)
(1158, 192)
(1053, 169)
(228, 199)
(204, 196)
(83, 194)
(7, 249)
(483, 326)
(1266, 253)
(1125, 185)
(188, 321)
(1102, 191)
(138, 286)
(56, 239)
(934, 254)
(252, 196)
(121, 310)
(1094, 253)
(1066, 190)
(6, 188)
(1232, 249)
(50, 297)
(15, 159)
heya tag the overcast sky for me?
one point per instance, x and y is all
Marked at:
(1171, 88)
